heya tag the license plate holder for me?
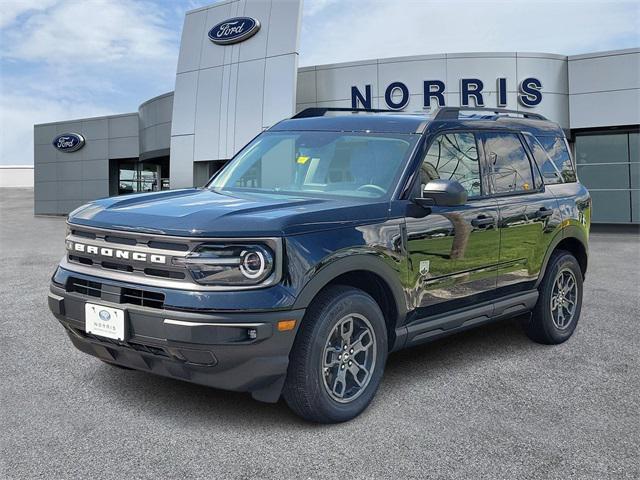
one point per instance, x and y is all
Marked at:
(104, 321)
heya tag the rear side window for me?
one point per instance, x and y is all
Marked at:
(508, 165)
(553, 159)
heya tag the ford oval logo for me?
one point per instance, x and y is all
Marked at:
(234, 30)
(69, 142)
(104, 315)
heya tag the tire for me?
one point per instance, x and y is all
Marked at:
(332, 394)
(549, 326)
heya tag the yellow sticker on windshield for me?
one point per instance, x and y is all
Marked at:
(302, 160)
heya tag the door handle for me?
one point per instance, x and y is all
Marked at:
(482, 221)
(544, 212)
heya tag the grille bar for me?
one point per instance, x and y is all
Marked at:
(133, 296)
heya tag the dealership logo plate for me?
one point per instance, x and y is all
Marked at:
(234, 30)
(104, 321)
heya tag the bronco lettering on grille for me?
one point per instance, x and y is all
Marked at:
(115, 253)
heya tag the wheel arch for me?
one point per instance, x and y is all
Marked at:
(572, 240)
(368, 273)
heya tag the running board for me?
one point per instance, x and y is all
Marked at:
(432, 328)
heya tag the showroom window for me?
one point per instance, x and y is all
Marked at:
(609, 165)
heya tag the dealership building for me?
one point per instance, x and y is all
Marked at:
(238, 74)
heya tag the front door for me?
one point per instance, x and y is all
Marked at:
(453, 252)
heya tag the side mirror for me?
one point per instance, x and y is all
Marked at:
(442, 193)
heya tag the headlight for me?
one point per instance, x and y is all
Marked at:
(231, 265)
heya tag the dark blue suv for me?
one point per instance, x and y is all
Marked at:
(331, 240)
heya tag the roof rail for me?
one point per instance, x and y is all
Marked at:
(452, 113)
(322, 111)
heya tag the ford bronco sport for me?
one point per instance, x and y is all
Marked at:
(331, 240)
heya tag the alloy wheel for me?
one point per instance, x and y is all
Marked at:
(349, 358)
(564, 297)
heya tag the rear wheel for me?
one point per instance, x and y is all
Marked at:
(338, 358)
(557, 312)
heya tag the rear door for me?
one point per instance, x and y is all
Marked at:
(453, 251)
(528, 213)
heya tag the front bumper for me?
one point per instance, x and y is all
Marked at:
(232, 351)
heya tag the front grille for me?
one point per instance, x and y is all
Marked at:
(121, 240)
(84, 287)
(178, 247)
(82, 260)
(143, 298)
(132, 296)
(117, 266)
(128, 244)
(83, 234)
(149, 259)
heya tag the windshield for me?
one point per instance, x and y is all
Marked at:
(323, 163)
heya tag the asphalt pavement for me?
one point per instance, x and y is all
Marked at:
(487, 403)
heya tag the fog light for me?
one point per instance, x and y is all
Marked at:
(252, 333)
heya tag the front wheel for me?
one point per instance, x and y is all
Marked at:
(556, 314)
(338, 358)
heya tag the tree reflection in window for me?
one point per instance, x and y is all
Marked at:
(508, 163)
(453, 156)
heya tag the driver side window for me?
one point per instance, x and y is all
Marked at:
(453, 156)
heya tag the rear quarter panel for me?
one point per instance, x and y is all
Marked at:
(575, 207)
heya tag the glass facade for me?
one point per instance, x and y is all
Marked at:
(139, 177)
(609, 165)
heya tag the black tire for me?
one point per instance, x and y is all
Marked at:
(543, 327)
(306, 390)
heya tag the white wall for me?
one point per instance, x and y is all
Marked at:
(16, 176)
(330, 85)
(227, 94)
(605, 89)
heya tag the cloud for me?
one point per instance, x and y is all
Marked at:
(96, 31)
(72, 59)
(354, 30)
(18, 114)
(313, 7)
(12, 9)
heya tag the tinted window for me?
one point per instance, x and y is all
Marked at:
(553, 159)
(453, 156)
(508, 164)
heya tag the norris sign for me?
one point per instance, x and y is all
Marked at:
(396, 95)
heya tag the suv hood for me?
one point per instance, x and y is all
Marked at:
(204, 213)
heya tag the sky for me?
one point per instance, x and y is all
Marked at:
(65, 59)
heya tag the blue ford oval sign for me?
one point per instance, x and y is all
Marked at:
(69, 142)
(234, 30)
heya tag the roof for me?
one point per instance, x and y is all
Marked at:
(357, 122)
(386, 121)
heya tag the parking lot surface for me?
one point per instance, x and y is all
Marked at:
(488, 403)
